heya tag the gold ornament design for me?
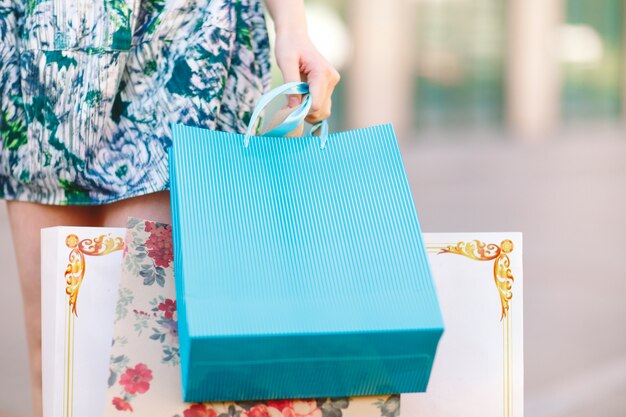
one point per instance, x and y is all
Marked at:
(75, 271)
(502, 274)
(503, 278)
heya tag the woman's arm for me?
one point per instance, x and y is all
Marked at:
(299, 60)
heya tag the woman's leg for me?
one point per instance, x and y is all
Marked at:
(27, 220)
(155, 207)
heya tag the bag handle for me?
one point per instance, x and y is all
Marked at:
(294, 119)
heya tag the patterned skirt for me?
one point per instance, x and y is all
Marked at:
(89, 89)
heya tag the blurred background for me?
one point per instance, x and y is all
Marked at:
(511, 117)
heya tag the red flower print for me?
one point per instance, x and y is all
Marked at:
(136, 380)
(298, 408)
(168, 307)
(121, 405)
(279, 404)
(159, 243)
(199, 410)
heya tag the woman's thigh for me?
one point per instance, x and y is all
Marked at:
(27, 220)
(155, 207)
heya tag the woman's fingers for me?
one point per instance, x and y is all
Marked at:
(299, 60)
(322, 82)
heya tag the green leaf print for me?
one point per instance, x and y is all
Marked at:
(181, 78)
(333, 407)
(150, 68)
(13, 132)
(121, 171)
(112, 378)
(93, 98)
(125, 298)
(390, 407)
(154, 8)
(90, 50)
(47, 158)
(60, 146)
(74, 194)
(244, 35)
(42, 110)
(121, 39)
(246, 117)
(153, 25)
(119, 13)
(59, 58)
(31, 5)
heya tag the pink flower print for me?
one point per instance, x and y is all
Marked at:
(159, 243)
(136, 380)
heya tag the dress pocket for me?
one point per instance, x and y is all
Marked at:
(100, 25)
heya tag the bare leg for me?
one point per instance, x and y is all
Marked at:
(27, 220)
(155, 207)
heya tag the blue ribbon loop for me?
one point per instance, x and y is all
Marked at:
(294, 119)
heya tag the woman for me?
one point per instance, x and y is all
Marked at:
(89, 89)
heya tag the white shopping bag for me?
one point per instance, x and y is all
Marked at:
(79, 282)
(479, 368)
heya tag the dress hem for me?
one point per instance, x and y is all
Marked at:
(136, 193)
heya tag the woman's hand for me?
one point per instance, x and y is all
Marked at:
(299, 60)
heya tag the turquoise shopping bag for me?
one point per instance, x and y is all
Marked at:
(299, 263)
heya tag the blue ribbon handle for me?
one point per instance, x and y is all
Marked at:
(294, 119)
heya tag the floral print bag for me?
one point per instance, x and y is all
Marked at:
(145, 375)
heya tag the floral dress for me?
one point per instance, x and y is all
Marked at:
(89, 88)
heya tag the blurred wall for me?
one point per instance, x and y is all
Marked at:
(525, 67)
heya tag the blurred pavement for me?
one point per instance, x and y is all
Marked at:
(568, 197)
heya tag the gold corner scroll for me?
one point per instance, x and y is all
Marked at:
(75, 271)
(502, 274)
